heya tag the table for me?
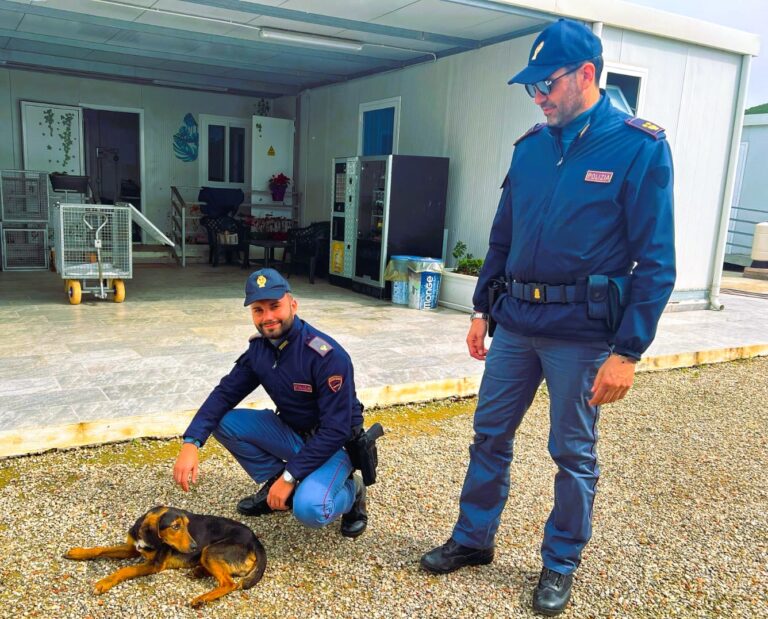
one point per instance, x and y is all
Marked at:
(269, 246)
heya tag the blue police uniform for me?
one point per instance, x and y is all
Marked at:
(310, 378)
(603, 207)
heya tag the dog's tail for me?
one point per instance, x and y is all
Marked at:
(257, 571)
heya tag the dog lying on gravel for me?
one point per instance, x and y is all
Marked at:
(169, 538)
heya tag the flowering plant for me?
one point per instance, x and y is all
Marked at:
(278, 180)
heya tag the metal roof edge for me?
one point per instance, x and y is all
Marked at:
(629, 16)
(755, 119)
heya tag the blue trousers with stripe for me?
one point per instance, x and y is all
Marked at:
(514, 368)
(262, 443)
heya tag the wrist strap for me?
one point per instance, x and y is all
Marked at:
(194, 441)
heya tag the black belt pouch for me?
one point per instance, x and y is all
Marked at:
(363, 454)
(597, 297)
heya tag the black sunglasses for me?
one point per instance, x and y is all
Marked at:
(545, 86)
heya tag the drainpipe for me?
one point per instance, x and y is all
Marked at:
(725, 205)
(597, 29)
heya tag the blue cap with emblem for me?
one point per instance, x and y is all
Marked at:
(265, 284)
(562, 43)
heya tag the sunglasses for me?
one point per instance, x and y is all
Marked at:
(545, 86)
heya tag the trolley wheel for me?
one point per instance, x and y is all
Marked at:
(67, 282)
(74, 292)
(118, 288)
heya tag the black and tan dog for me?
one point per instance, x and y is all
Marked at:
(169, 538)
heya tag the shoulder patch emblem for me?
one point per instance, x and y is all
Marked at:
(537, 127)
(335, 382)
(320, 346)
(647, 126)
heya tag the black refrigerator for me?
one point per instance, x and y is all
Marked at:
(384, 206)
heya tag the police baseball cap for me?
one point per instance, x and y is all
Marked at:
(564, 42)
(265, 284)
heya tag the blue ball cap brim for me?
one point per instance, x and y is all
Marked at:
(534, 73)
(265, 284)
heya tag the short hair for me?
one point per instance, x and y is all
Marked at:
(597, 61)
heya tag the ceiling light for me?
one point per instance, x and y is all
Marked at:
(190, 86)
(303, 38)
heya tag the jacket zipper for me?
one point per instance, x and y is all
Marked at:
(555, 186)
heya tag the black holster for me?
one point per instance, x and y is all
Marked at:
(362, 452)
(495, 288)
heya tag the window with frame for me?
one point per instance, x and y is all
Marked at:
(224, 151)
(379, 127)
(625, 87)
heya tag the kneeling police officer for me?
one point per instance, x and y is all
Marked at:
(298, 451)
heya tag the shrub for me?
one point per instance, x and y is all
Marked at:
(466, 264)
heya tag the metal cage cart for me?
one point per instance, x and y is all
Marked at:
(24, 213)
(93, 244)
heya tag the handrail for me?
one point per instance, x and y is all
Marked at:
(179, 224)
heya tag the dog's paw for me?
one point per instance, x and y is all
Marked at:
(198, 601)
(77, 554)
(104, 585)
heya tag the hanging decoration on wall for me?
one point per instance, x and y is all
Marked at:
(185, 142)
(52, 137)
(262, 107)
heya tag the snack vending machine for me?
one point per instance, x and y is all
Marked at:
(384, 206)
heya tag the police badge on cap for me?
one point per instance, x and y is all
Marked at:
(564, 42)
(265, 284)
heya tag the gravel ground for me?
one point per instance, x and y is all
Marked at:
(680, 519)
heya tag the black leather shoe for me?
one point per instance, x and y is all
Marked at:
(256, 504)
(355, 521)
(451, 556)
(552, 593)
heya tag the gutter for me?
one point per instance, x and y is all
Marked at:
(725, 205)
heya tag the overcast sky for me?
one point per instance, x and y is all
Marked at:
(749, 15)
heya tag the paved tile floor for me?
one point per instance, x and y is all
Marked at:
(179, 330)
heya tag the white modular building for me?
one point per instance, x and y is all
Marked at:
(436, 69)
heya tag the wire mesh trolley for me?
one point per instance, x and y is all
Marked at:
(93, 244)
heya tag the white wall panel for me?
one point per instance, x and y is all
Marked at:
(691, 92)
(459, 107)
(752, 205)
(164, 110)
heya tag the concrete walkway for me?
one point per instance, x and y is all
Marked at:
(100, 371)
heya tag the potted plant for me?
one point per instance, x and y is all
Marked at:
(458, 284)
(278, 183)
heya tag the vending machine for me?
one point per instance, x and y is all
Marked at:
(384, 206)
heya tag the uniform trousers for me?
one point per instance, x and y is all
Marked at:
(262, 443)
(514, 368)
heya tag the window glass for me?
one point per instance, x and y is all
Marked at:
(378, 131)
(624, 91)
(236, 154)
(216, 153)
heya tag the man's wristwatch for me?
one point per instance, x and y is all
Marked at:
(287, 477)
(476, 315)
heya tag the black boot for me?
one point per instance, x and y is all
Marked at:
(451, 556)
(552, 593)
(355, 521)
(256, 504)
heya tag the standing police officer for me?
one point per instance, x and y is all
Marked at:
(298, 450)
(584, 238)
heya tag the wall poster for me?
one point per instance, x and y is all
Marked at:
(52, 137)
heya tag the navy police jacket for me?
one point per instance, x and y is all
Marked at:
(311, 381)
(597, 209)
